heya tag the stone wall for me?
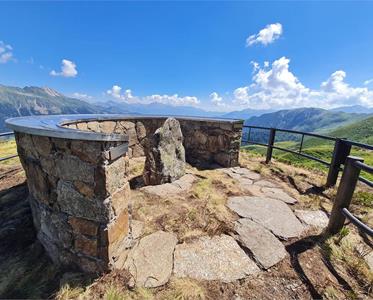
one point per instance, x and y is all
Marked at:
(79, 198)
(205, 141)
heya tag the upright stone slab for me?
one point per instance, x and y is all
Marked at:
(165, 154)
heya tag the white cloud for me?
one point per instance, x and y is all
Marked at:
(127, 96)
(276, 86)
(369, 81)
(68, 69)
(82, 96)
(216, 99)
(265, 36)
(6, 53)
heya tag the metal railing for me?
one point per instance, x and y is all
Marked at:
(6, 134)
(342, 149)
(346, 188)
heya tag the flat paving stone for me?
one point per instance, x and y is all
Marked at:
(278, 194)
(182, 185)
(246, 173)
(265, 183)
(369, 260)
(273, 214)
(314, 218)
(150, 261)
(213, 258)
(266, 249)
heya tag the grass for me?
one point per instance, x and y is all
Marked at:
(341, 250)
(8, 147)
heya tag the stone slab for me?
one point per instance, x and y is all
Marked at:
(265, 183)
(266, 249)
(273, 214)
(150, 261)
(369, 260)
(179, 186)
(278, 194)
(216, 258)
(315, 218)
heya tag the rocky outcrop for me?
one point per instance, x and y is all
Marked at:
(165, 154)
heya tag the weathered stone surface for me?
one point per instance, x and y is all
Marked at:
(83, 226)
(165, 154)
(85, 245)
(120, 199)
(137, 228)
(266, 249)
(315, 218)
(115, 174)
(73, 203)
(150, 262)
(182, 185)
(37, 182)
(216, 258)
(279, 194)
(43, 145)
(265, 183)
(118, 229)
(85, 189)
(88, 151)
(140, 130)
(246, 173)
(369, 260)
(273, 214)
(72, 168)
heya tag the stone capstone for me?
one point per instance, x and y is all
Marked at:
(150, 261)
(273, 214)
(215, 258)
(165, 154)
(266, 249)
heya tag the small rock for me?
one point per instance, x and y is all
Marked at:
(315, 218)
(279, 194)
(150, 261)
(216, 258)
(267, 250)
(273, 214)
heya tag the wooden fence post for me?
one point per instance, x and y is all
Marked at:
(271, 141)
(341, 150)
(344, 195)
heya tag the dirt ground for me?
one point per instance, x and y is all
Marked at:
(316, 267)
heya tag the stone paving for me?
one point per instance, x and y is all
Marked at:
(265, 219)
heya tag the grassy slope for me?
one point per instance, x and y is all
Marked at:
(361, 131)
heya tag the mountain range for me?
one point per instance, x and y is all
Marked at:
(15, 101)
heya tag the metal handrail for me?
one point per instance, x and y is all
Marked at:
(357, 222)
(342, 148)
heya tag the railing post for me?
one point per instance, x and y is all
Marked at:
(341, 150)
(271, 141)
(344, 195)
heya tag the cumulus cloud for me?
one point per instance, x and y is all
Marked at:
(116, 92)
(276, 86)
(265, 36)
(216, 99)
(6, 53)
(68, 69)
(82, 96)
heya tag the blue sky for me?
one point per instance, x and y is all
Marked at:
(319, 54)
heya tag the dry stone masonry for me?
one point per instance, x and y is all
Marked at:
(77, 173)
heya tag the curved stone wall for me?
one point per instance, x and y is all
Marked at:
(206, 141)
(77, 173)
